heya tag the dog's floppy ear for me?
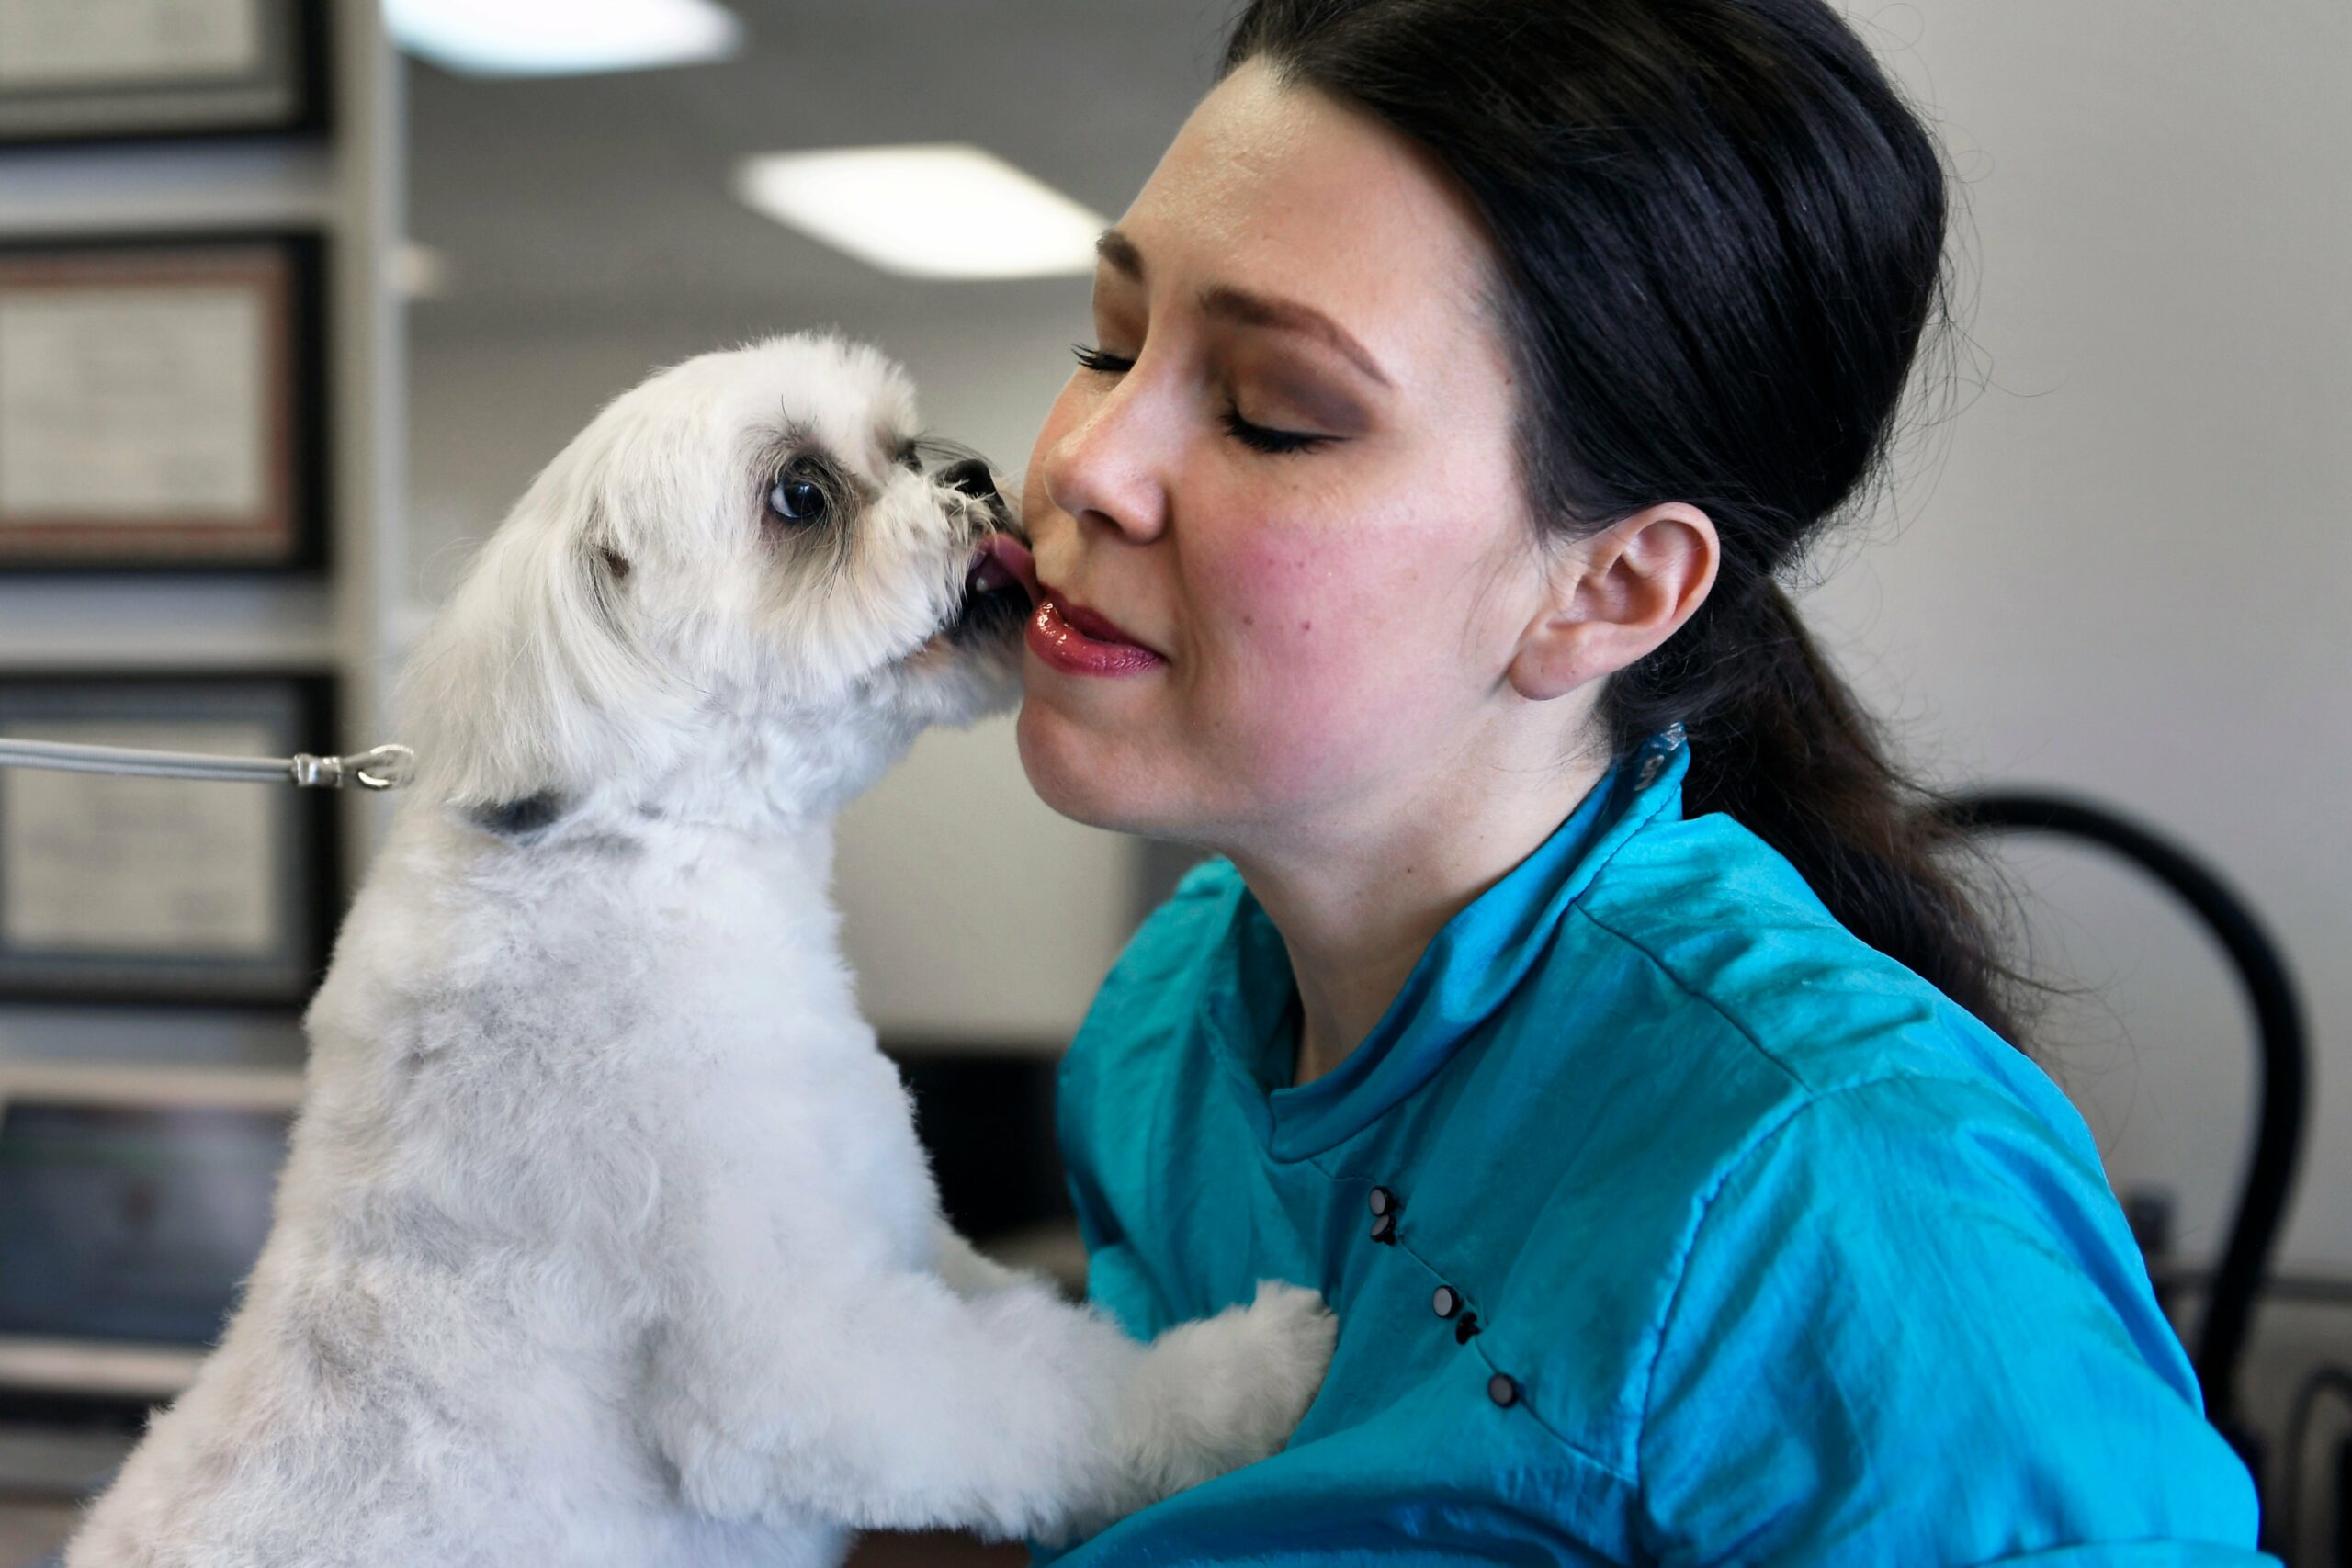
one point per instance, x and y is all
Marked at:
(530, 686)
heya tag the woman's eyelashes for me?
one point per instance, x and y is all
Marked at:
(1100, 360)
(1263, 438)
(1257, 437)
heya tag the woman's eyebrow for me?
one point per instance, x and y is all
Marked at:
(1120, 252)
(1249, 309)
(1257, 311)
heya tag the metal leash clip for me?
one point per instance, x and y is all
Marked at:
(383, 767)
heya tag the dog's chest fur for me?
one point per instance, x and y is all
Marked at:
(537, 1072)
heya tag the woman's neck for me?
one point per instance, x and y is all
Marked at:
(1356, 917)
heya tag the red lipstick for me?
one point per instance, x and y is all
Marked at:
(1077, 641)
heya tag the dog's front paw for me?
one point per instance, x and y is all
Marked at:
(1229, 1390)
(1283, 1348)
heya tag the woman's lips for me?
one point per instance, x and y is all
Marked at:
(1074, 639)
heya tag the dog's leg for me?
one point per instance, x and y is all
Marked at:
(886, 1401)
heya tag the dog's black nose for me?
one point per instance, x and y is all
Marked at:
(971, 477)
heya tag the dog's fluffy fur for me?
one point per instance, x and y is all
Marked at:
(606, 1237)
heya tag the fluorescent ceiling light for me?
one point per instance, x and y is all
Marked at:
(946, 210)
(560, 38)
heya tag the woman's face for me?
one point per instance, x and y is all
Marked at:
(1288, 482)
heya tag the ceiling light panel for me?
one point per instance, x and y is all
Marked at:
(942, 210)
(562, 38)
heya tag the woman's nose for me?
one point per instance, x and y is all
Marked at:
(1104, 468)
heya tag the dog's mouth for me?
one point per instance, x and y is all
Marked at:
(1000, 590)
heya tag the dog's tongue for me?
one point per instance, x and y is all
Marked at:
(1003, 562)
(992, 574)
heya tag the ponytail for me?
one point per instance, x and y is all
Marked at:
(1779, 744)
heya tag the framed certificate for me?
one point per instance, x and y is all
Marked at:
(166, 890)
(104, 70)
(162, 405)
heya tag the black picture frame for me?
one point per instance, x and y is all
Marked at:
(301, 879)
(287, 530)
(285, 90)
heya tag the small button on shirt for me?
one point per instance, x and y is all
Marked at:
(1710, 1236)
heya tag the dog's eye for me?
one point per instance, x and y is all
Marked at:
(798, 501)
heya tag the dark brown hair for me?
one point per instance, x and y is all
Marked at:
(1721, 234)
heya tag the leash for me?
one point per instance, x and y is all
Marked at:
(382, 767)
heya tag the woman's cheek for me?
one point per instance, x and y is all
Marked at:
(1314, 668)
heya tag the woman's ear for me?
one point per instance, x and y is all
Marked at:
(1615, 596)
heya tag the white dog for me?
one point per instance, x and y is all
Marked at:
(606, 1237)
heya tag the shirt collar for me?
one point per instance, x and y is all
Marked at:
(1465, 975)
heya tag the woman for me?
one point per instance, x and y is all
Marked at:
(1580, 1004)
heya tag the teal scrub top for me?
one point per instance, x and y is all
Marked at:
(1666, 1221)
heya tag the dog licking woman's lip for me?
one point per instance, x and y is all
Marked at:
(1003, 561)
(999, 588)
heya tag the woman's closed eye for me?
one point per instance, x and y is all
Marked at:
(1265, 438)
(1257, 437)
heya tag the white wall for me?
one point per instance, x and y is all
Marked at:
(2127, 576)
